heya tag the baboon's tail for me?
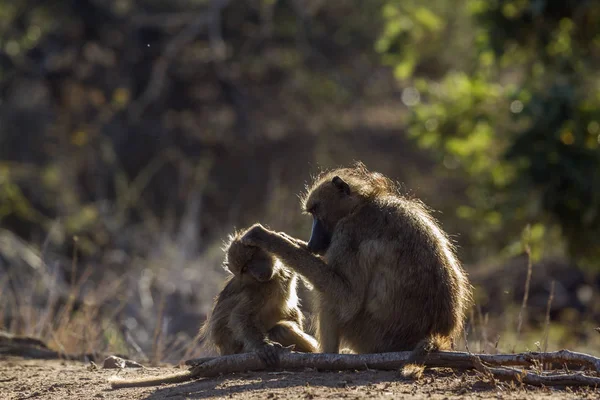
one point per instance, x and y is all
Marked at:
(118, 383)
(414, 366)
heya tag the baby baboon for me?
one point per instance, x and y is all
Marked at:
(257, 311)
(386, 274)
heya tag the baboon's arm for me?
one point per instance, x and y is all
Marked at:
(313, 268)
(225, 342)
(288, 333)
(292, 239)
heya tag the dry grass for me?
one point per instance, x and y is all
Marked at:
(101, 317)
(523, 310)
(103, 313)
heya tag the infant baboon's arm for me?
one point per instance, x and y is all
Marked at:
(248, 330)
(288, 333)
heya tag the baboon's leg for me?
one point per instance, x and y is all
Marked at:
(288, 333)
(328, 332)
(313, 268)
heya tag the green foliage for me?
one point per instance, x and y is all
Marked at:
(519, 120)
(503, 93)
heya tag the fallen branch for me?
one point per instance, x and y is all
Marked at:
(210, 367)
(196, 361)
(9, 339)
(385, 361)
(39, 353)
(33, 348)
(531, 378)
(456, 360)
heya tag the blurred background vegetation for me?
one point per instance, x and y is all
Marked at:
(134, 135)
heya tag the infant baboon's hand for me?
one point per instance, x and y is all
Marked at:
(270, 353)
(255, 235)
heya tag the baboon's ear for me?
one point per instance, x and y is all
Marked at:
(341, 185)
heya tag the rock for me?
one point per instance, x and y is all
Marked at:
(118, 362)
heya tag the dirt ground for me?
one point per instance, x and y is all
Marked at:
(35, 379)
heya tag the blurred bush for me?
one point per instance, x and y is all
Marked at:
(149, 129)
(513, 105)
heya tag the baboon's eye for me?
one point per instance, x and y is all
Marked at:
(244, 269)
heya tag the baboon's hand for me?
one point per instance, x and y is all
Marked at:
(298, 242)
(255, 235)
(270, 353)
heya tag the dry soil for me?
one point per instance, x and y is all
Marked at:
(34, 379)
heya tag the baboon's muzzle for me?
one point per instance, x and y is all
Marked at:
(319, 237)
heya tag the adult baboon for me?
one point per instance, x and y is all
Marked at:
(386, 274)
(257, 310)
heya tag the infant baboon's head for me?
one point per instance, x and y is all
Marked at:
(251, 264)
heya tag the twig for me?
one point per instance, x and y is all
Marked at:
(131, 341)
(547, 325)
(531, 378)
(385, 361)
(160, 68)
(157, 342)
(483, 369)
(527, 284)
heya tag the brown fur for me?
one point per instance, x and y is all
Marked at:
(389, 279)
(250, 315)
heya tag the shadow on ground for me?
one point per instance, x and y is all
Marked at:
(305, 384)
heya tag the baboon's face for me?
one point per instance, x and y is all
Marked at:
(328, 203)
(251, 264)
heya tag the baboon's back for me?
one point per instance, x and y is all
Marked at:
(415, 283)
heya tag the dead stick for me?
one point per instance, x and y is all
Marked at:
(526, 359)
(210, 367)
(385, 361)
(196, 361)
(37, 353)
(531, 378)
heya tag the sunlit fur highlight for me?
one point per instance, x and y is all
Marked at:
(247, 315)
(388, 278)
